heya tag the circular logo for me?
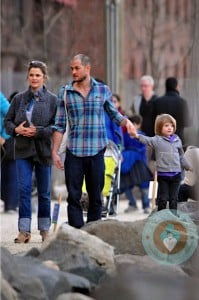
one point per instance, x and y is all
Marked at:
(170, 237)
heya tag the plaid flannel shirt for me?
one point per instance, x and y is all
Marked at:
(87, 134)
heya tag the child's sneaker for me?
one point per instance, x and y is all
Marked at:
(147, 211)
(130, 208)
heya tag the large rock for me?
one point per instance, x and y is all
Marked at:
(146, 265)
(136, 282)
(73, 296)
(125, 237)
(191, 208)
(25, 287)
(7, 292)
(33, 280)
(79, 252)
(191, 266)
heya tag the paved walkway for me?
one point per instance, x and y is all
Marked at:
(9, 228)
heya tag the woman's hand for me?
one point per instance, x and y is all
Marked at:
(25, 131)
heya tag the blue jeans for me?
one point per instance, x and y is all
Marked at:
(144, 197)
(43, 179)
(76, 168)
(9, 191)
(129, 195)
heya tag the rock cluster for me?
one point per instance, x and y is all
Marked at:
(105, 260)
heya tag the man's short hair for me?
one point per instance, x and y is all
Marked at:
(85, 60)
(148, 78)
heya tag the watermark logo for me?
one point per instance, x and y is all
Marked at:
(170, 237)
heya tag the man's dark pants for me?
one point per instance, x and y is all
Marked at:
(76, 168)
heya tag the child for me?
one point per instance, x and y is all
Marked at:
(134, 169)
(169, 159)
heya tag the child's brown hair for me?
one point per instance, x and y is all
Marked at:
(161, 120)
(137, 119)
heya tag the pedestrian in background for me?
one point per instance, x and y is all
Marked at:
(189, 188)
(86, 102)
(118, 104)
(143, 104)
(170, 160)
(134, 170)
(4, 109)
(4, 106)
(29, 120)
(9, 184)
(111, 127)
(173, 104)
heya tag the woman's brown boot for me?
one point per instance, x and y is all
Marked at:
(44, 234)
(23, 237)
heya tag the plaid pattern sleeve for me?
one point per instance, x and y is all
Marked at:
(60, 118)
(111, 110)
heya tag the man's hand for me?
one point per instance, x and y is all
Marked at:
(57, 138)
(131, 128)
(57, 160)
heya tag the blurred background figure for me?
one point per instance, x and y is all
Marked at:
(171, 103)
(189, 189)
(118, 104)
(113, 129)
(143, 104)
(4, 108)
(134, 170)
(9, 191)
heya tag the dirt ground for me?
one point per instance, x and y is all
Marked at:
(9, 226)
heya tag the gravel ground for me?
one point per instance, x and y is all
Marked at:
(9, 229)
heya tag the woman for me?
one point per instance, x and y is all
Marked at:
(30, 119)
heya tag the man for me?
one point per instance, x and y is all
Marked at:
(171, 103)
(143, 104)
(86, 101)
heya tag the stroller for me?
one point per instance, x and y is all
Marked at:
(111, 190)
